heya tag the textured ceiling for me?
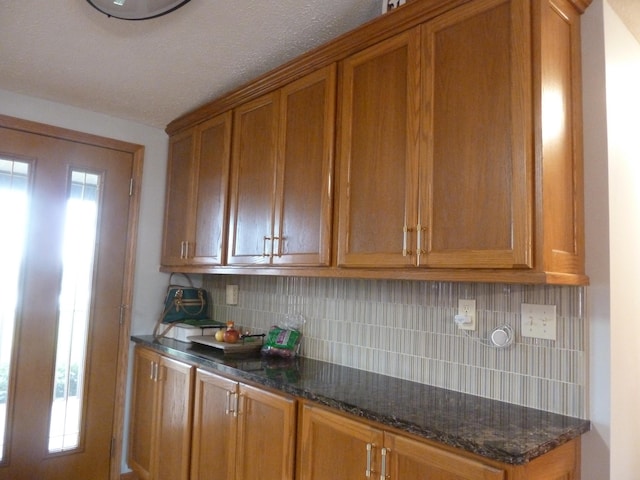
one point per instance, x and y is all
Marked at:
(629, 12)
(156, 70)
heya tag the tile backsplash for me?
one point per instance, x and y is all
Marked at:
(405, 329)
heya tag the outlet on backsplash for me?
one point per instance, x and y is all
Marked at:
(466, 317)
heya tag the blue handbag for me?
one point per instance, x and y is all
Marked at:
(183, 302)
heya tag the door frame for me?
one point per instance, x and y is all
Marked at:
(137, 152)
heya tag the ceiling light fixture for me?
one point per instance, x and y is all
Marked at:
(136, 9)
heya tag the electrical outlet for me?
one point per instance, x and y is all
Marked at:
(466, 318)
(538, 321)
(232, 294)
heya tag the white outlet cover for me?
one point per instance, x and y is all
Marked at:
(467, 308)
(232, 294)
(538, 321)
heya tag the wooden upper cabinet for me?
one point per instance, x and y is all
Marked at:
(463, 196)
(559, 184)
(477, 202)
(179, 198)
(457, 129)
(212, 180)
(303, 212)
(197, 182)
(378, 154)
(253, 189)
(280, 207)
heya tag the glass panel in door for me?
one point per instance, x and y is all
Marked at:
(14, 199)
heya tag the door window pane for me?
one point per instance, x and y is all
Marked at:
(74, 311)
(14, 199)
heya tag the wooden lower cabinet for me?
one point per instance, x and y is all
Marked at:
(160, 430)
(241, 432)
(332, 446)
(188, 423)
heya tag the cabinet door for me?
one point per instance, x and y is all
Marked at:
(305, 158)
(378, 154)
(332, 446)
(143, 405)
(409, 459)
(252, 190)
(172, 441)
(210, 190)
(266, 435)
(478, 200)
(179, 198)
(214, 428)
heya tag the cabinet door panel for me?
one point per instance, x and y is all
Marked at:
(332, 446)
(253, 181)
(303, 216)
(179, 204)
(266, 435)
(378, 153)
(412, 460)
(562, 184)
(214, 428)
(478, 202)
(143, 406)
(211, 183)
(172, 442)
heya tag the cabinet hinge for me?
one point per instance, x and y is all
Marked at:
(131, 187)
(122, 312)
(113, 447)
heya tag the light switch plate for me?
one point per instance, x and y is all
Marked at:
(232, 294)
(538, 321)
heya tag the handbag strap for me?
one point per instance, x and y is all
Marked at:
(189, 281)
(157, 334)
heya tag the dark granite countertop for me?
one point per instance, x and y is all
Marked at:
(496, 430)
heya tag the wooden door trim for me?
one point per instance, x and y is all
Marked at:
(137, 152)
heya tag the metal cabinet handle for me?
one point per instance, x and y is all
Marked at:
(184, 249)
(277, 249)
(367, 472)
(383, 466)
(153, 372)
(264, 246)
(405, 235)
(231, 405)
(235, 404)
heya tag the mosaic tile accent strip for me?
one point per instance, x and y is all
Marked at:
(405, 329)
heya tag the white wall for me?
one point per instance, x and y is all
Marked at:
(611, 79)
(596, 444)
(622, 53)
